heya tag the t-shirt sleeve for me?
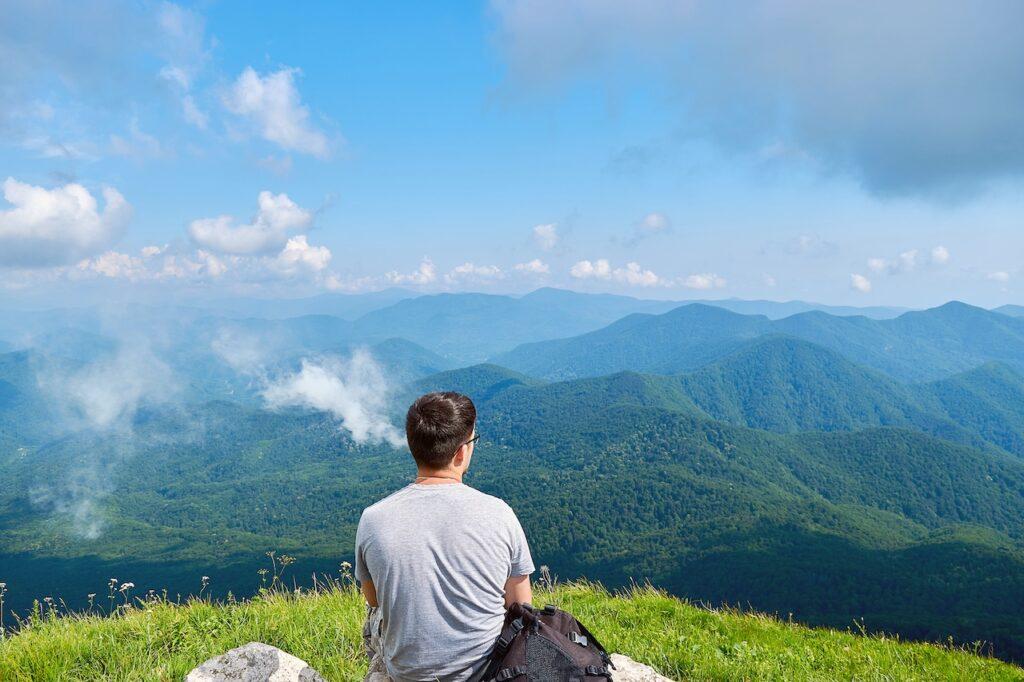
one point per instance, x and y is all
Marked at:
(522, 562)
(362, 572)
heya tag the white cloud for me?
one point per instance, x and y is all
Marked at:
(355, 392)
(903, 263)
(769, 280)
(546, 235)
(632, 274)
(999, 276)
(474, 273)
(860, 283)
(650, 225)
(192, 113)
(585, 269)
(426, 273)
(62, 225)
(115, 265)
(535, 267)
(908, 261)
(299, 255)
(211, 264)
(940, 255)
(272, 104)
(703, 280)
(277, 216)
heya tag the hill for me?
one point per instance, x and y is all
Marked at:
(916, 346)
(160, 640)
(616, 478)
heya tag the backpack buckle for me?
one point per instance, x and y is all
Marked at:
(577, 638)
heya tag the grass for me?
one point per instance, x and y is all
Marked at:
(160, 640)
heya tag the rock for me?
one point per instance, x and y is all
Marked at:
(628, 670)
(254, 662)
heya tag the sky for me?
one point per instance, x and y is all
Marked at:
(858, 153)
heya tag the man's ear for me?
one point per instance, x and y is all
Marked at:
(460, 456)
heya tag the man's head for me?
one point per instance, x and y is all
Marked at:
(439, 427)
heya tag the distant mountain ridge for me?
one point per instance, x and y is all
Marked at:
(916, 346)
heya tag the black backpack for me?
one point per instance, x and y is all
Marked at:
(546, 646)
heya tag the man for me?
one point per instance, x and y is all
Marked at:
(438, 561)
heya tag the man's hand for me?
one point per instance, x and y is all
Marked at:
(370, 592)
(517, 590)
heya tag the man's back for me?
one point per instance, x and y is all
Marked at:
(439, 556)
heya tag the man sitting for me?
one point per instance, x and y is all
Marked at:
(438, 561)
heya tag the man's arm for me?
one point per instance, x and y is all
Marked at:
(370, 592)
(517, 590)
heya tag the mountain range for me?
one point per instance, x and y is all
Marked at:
(829, 467)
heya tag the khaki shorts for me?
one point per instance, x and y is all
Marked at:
(373, 646)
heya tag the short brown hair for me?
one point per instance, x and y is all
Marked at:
(436, 425)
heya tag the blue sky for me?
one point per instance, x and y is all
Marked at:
(853, 153)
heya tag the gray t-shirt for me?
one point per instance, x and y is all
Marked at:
(439, 556)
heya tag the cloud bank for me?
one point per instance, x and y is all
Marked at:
(48, 227)
(915, 97)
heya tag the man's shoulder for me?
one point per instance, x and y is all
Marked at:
(484, 499)
(381, 506)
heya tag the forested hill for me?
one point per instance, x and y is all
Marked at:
(916, 346)
(827, 474)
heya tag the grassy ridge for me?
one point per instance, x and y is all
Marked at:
(163, 641)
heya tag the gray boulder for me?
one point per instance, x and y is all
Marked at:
(628, 670)
(254, 662)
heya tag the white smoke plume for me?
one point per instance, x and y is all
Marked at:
(354, 391)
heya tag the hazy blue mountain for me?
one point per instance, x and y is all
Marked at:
(345, 306)
(1011, 310)
(916, 346)
(471, 327)
(776, 310)
(681, 339)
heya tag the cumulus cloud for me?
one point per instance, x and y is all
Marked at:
(703, 280)
(860, 283)
(897, 103)
(940, 255)
(546, 236)
(585, 269)
(474, 273)
(277, 216)
(908, 261)
(57, 226)
(903, 263)
(632, 274)
(533, 267)
(1000, 276)
(355, 392)
(298, 255)
(426, 273)
(115, 265)
(272, 104)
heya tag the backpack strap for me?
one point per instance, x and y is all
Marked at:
(510, 673)
(594, 671)
(590, 639)
(507, 635)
